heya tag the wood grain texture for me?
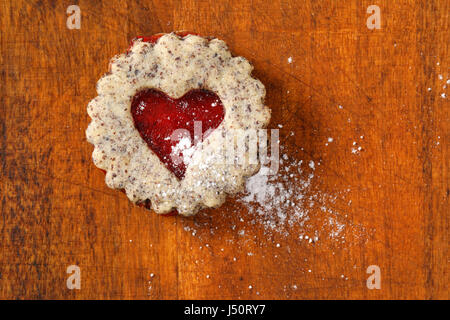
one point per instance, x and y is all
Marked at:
(56, 209)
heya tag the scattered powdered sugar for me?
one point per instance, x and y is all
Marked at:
(356, 148)
(286, 202)
(283, 202)
(183, 149)
(258, 187)
(282, 212)
(290, 203)
(150, 284)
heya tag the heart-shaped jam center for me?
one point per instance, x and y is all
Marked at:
(168, 125)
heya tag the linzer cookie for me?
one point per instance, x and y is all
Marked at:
(164, 115)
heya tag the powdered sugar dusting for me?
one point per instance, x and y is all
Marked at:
(183, 149)
(292, 203)
(282, 203)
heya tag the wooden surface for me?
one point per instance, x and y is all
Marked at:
(393, 193)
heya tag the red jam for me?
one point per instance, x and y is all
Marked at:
(156, 117)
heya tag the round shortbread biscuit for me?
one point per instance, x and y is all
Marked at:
(174, 65)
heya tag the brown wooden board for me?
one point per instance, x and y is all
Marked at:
(384, 176)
